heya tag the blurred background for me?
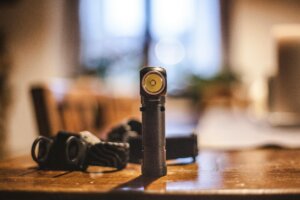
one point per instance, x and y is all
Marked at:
(75, 65)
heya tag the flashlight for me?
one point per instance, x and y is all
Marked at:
(153, 87)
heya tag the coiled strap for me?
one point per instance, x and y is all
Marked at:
(109, 154)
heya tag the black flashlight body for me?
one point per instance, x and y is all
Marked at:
(153, 123)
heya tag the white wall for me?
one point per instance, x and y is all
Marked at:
(251, 44)
(42, 45)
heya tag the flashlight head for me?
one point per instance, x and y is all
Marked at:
(153, 81)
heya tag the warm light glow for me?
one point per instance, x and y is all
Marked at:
(153, 83)
(286, 31)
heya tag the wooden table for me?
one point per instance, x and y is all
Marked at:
(251, 174)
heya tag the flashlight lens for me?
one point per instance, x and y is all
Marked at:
(153, 83)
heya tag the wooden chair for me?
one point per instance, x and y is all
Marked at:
(46, 110)
(78, 110)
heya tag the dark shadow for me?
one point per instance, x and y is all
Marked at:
(31, 170)
(138, 183)
(34, 167)
(62, 174)
(271, 146)
(179, 164)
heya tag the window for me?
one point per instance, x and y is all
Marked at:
(184, 36)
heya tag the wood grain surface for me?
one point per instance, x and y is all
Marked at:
(251, 174)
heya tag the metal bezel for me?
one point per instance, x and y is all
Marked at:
(162, 88)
